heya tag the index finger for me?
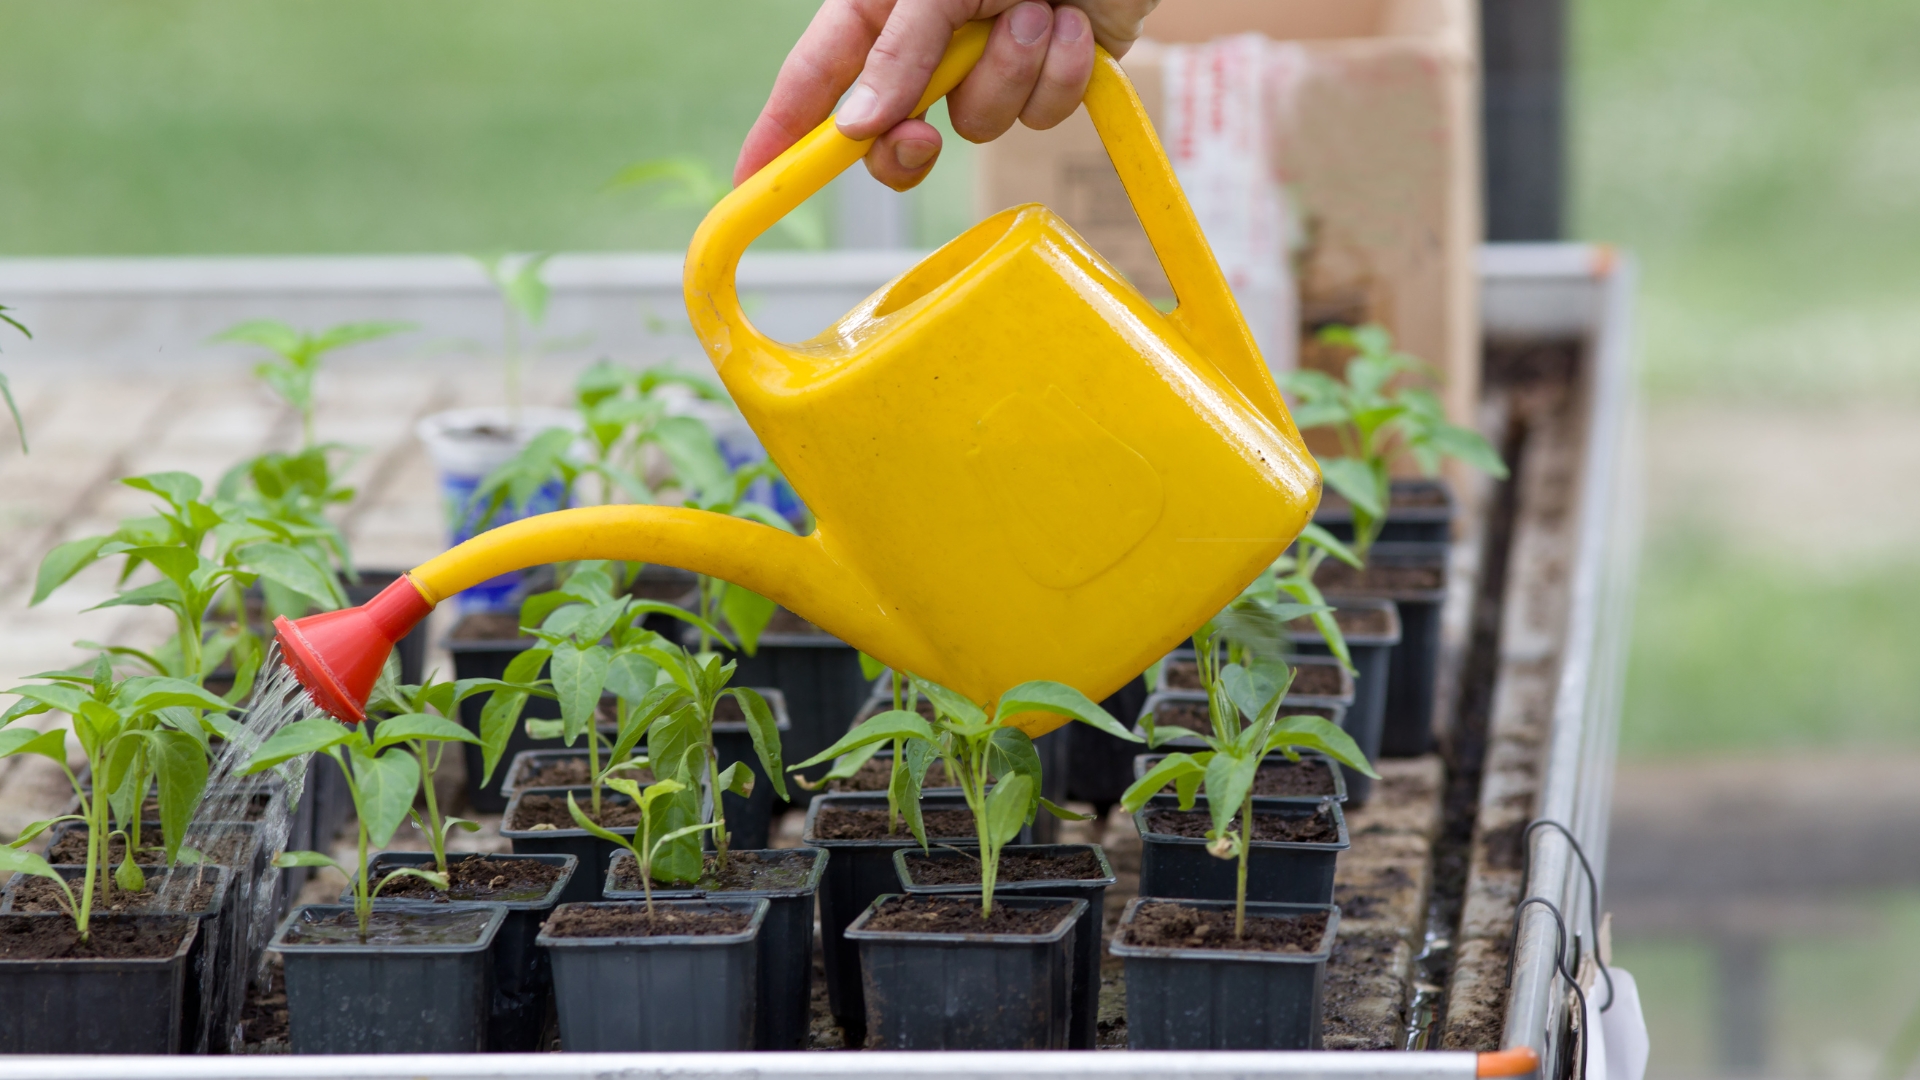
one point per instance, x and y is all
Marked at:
(823, 63)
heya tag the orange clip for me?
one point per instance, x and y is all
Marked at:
(1515, 1061)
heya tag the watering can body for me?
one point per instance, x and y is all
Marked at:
(1019, 467)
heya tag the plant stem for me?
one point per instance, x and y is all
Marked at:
(435, 833)
(96, 853)
(1246, 850)
(593, 761)
(720, 837)
(362, 897)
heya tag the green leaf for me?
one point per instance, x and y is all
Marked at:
(1010, 752)
(766, 735)
(1009, 807)
(387, 785)
(1229, 781)
(905, 782)
(948, 703)
(892, 724)
(737, 778)
(1469, 447)
(631, 675)
(48, 744)
(63, 562)
(1255, 690)
(128, 876)
(525, 667)
(1319, 537)
(431, 877)
(398, 729)
(178, 488)
(748, 613)
(1166, 771)
(295, 570)
(1061, 700)
(1314, 733)
(289, 859)
(26, 862)
(497, 719)
(579, 677)
(546, 729)
(1355, 480)
(180, 767)
(299, 737)
(143, 694)
(1062, 812)
(871, 669)
(846, 765)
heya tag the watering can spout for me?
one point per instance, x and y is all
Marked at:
(337, 655)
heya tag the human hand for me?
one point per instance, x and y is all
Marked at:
(1035, 70)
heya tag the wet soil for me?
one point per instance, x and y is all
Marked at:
(959, 915)
(746, 871)
(40, 895)
(1317, 828)
(570, 772)
(27, 938)
(494, 878)
(71, 849)
(1014, 866)
(1317, 680)
(263, 1021)
(616, 812)
(1338, 577)
(256, 808)
(1177, 926)
(1308, 778)
(1353, 622)
(846, 823)
(878, 772)
(634, 921)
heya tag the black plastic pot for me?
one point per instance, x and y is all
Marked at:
(1372, 655)
(1407, 730)
(522, 978)
(1144, 762)
(786, 946)
(1342, 697)
(1167, 699)
(213, 979)
(591, 852)
(1220, 999)
(821, 678)
(352, 998)
(1098, 765)
(1277, 872)
(656, 994)
(1086, 934)
(1405, 523)
(97, 1006)
(859, 872)
(970, 991)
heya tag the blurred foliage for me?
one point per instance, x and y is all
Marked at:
(1763, 159)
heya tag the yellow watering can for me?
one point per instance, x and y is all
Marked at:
(1019, 467)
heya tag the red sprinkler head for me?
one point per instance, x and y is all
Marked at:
(337, 655)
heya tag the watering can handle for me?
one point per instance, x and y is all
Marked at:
(1207, 313)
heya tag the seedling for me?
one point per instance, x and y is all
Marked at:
(1243, 705)
(1378, 423)
(644, 847)
(6, 388)
(203, 551)
(523, 296)
(297, 357)
(993, 761)
(384, 771)
(136, 733)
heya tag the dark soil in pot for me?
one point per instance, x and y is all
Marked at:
(1418, 511)
(789, 880)
(1193, 985)
(1193, 715)
(1292, 861)
(1372, 632)
(419, 981)
(680, 977)
(122, 991)
(563, 769)
(1063, 871)
(1309, 680)
(875, 774)
(1312, 778)
(537, 822)
(940, 977)
(1414, 577)
(854, 828)
(471, 878)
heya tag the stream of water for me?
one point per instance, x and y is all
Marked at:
(242, 822)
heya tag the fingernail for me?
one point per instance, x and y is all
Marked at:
(1029, 22)
(1071, 25)
(859, 107)
(914, 153)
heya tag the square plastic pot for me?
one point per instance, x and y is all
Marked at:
(824, 686)
(590, 852)
(659, 994)
(1085, 963)
(1407, 729)
(1142, 763)
(982, 991)
(786, 946)
(522, 978)
(1372, 655)
(97, 1006)
(859, 872)
(1429, 522)
(1277, 871)
(1098, 765)
(1160, 703)
(1223, 999)
(353, 998)
(214, 982)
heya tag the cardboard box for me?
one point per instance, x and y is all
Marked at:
(1375, 136)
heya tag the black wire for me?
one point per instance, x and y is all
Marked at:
(1559, 965)
(1593, 890)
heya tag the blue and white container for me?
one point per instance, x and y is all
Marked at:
(466, 445)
